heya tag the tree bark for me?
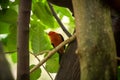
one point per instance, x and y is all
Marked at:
(69, 67)
(5, 72)
(23, 40)
(96, 46)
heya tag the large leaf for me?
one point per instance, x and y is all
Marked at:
(42, 12)
(36, 74)
(39, 39)
(65, 12)
(52, 64)
(8, 16)
(4, 28)
(12, 38)
(14, 57)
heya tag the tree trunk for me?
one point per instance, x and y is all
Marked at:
(69, 67)
(5, 72)
(23, 40)
(96, 46)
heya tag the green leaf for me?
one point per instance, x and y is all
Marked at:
(61, 11)
(4, 39)
(52, 64)
(42, 12)
(14, 57)
(4, 28)
(12, 38)
(8, 16)
(36, 74)
(39, 39)
(16, 2)
(4, 3)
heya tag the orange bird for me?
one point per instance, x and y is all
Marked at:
(56, 39)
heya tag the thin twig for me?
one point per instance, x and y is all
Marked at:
(10, 52)
(58, 20)
(53, 52)
(46, 51)
(42, 66)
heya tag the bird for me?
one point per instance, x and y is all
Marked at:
(56, 39)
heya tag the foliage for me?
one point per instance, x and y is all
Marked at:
(40, 21)
(36, 74)
(52, 64)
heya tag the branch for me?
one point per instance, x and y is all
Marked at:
(58, 20)
(53, 52)
(23, 40)
(42, 52)
(42, 65)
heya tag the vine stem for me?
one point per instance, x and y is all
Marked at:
(58, 20)
(42, 66)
